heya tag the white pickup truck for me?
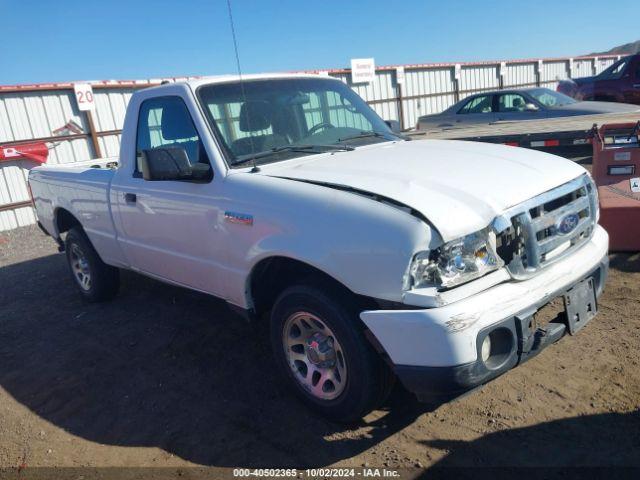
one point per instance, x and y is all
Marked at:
(372, 257)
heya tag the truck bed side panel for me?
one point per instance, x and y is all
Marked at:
(84, 192)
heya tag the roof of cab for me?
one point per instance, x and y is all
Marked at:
(212, 80)
(195, 83)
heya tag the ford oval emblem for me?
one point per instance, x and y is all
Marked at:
(568, 223)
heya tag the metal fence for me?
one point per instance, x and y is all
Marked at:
(32, 113)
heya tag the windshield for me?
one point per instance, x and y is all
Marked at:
(614, 71)
(549, 98)
(275, 119)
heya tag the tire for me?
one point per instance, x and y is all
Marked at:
(95, 280)
(351, 381)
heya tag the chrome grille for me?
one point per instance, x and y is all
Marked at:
(548, 227)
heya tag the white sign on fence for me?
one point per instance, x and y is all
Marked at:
(457, 71)
(363, 70)
(84, 96)
(399, 75)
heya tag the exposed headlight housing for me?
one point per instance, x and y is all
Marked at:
(455, 262)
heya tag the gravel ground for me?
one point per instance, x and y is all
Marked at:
(165, 377)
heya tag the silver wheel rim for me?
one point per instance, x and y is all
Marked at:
(314, 355)
(80, 268)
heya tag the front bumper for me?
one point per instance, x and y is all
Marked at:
(436, 352)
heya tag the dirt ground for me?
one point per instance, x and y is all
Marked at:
(165, 377)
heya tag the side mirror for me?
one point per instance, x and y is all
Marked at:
(530, 107)
(394, 125)
(171, 163)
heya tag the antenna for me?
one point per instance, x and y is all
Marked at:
(244, 96)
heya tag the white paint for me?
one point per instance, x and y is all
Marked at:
(416, 177)
(363, 70)
(84, 96)
(176, 231)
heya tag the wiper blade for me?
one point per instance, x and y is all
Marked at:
(364, 134)
(294, 148)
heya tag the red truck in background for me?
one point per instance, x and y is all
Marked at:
(618, 83)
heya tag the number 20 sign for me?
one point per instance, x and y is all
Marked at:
(84, 96)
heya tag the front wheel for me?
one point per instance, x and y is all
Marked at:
(96, 280)
(320, 350)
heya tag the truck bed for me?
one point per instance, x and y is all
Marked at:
(82, 189)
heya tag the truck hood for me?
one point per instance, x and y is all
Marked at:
(460, 187)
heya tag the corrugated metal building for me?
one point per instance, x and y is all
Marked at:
(31, 113)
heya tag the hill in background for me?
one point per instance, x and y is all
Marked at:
(626, 49)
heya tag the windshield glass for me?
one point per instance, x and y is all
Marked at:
(614, 71)
(549, 98)
(276, 119)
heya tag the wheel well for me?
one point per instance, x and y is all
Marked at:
(65, 220)
(272, 275)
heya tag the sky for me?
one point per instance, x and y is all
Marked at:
(49, 41)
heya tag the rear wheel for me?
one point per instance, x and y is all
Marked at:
(321, 352)
(96, 280)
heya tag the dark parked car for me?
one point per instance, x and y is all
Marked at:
(618, 83)
(514, 105)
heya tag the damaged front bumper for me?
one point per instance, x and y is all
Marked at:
(437, 352)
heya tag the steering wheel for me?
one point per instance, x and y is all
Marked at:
(320, 126)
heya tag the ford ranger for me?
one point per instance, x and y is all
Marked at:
(373, 258)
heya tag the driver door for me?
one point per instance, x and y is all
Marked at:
(168, 226)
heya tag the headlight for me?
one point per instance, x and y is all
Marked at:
(456, 262)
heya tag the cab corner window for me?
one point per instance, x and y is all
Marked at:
(165, 127)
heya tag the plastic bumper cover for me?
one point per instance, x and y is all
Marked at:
(436, 352)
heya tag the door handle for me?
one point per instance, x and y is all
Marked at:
(130, 197)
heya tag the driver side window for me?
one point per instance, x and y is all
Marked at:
(166, 122)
